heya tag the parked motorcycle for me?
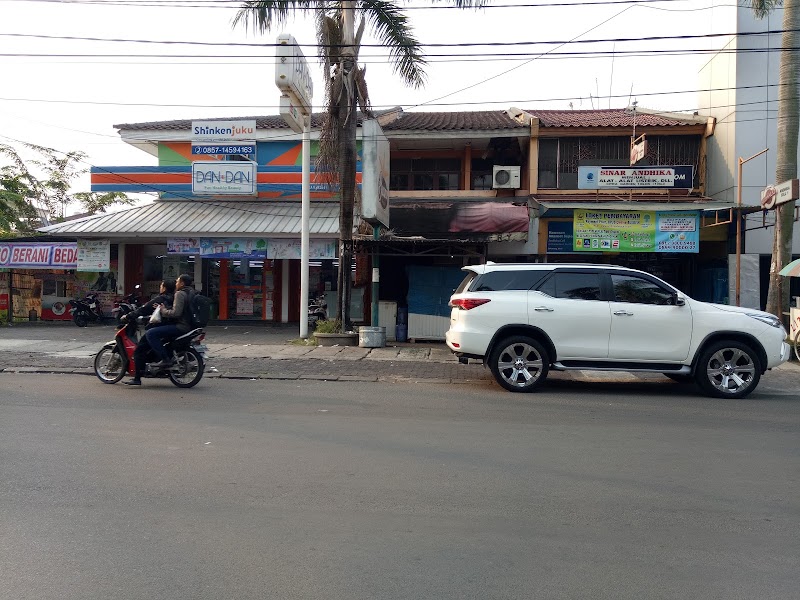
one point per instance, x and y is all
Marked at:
(128, 304)
(115, 358)
(87, 310)
(317, 311)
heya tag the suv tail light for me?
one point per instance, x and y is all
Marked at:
(467, 303)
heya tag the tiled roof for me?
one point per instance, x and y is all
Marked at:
(263, 122)
(460, 121)
(453, 121)
(613, 117)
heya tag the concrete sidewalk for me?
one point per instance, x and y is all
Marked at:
(257, 351)
(241, 351)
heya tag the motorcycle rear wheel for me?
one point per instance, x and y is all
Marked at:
(109, 365)
(188, 371)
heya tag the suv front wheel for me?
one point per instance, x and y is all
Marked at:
(519, 364)
(728, 369)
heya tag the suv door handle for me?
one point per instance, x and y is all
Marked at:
(543, 309)
(623, 313)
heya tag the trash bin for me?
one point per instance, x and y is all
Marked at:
(402, 324)
(371, 337)
(33, 315)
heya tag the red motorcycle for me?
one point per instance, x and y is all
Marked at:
(115, 358)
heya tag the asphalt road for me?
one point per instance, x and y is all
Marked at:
(311, 489)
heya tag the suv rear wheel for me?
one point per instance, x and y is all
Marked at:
(519, 364)
(728, 369)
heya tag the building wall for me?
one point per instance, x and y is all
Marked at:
(746, 115)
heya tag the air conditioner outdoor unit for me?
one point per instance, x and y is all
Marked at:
(505, 177)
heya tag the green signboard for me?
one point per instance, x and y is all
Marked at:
(636, 231)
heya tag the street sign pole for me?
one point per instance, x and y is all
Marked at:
(293, 78)
(304, 226)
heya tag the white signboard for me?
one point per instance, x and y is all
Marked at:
(375, 174)
(217, 177)
(318, 249)
(94, 255)
(628, 177)
(292, 75)
(779, 194)
(291, 114)
(222, 131)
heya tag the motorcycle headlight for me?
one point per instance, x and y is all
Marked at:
(766, 318)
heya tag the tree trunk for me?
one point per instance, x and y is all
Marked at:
(347, 164)
(786, 158)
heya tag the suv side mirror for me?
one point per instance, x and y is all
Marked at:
(678, 301)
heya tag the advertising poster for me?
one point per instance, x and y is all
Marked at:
(183, 246)
(636, 231)
(94, 255)
(291, 249)
(244, 303)
(233, 248)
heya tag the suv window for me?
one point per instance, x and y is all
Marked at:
(463, 285)
(628, 288)
(496, 281)
(573, 286)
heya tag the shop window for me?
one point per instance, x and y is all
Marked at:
(425, 174)
(559, 159)
(54, 288)
(481, 173)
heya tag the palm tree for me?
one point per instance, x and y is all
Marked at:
(345, 88)
(786, 158)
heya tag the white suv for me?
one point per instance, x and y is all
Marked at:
(524, 319)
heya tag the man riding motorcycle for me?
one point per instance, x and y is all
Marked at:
(165, 297)
(180, 312)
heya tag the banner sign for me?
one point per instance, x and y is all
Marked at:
(599, 178)
(183, 246)
(220, 131)
(559, 237)
(636, 231)
(318, 249)
(94, 255)
(227, 149)
(54, 255)
(217, 177)
(233, 248)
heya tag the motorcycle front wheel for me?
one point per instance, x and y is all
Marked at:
(188, 371)
(81, 319)
(109, 365)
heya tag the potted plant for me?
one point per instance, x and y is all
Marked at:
(328, 332)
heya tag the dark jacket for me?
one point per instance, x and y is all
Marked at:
(147, 309)
(180, 310)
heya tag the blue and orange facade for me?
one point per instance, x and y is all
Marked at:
(279, 172)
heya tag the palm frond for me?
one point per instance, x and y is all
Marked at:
(262, 15)
(391, 27)
(465, 3)
(761, 8)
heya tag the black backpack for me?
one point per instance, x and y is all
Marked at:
(199, 310)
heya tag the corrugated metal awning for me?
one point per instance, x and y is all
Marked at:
(195, 218)
(565, 208)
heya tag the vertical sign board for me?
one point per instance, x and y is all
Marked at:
(375, 174)
(292, 75)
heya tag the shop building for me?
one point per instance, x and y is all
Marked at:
(464, 187)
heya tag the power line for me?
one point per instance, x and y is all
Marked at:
(378, 107)
(430, 45)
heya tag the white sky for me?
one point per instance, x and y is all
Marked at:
(73, 103)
